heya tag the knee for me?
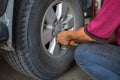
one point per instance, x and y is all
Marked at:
(80, 50)
(77, 53)
(80, 53)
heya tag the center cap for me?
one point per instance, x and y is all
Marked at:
(58, 28)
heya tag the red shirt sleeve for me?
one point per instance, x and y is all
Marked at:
(102, 27)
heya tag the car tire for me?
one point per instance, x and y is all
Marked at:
(31, 57)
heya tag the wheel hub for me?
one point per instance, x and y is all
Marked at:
(58, 17)
(58, 28)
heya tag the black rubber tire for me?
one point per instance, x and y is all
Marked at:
(29, 56)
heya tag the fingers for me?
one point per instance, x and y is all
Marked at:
(66, 43)
(62, 38)
(62, 41)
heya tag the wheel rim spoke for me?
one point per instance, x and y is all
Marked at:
(57, 49)
(68, 23)
(64, 10)
(61, 10)
(50, 16)
(47, 36)
(52, 46)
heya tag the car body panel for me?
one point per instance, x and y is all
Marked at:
(7, 18)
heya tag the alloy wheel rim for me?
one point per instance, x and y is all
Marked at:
(58, 17)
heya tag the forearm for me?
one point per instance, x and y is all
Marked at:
(80, 36)
(75, 35)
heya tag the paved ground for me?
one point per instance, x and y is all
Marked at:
(8, 73)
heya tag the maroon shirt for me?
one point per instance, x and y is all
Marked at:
(106, 23)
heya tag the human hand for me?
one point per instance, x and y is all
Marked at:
(63, 38)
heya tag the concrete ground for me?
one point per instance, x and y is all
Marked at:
(8, 73)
